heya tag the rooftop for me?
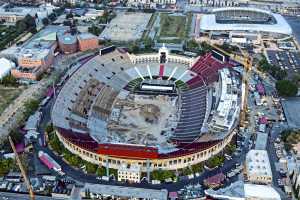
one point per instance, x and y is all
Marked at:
(258, 164)
(67, 39)
(131, 192)
(240, 191)
(208, 23)
(86, 36)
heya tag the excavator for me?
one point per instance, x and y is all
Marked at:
(246, 60)
(23, 172)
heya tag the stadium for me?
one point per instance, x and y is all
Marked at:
(158, 110)
(245, 19)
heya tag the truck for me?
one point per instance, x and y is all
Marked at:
(50, 162)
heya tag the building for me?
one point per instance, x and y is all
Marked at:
(258, 168)
(36, 55)
(87, 41)
(150, 4)
(5, 67)
(130, 173)
(261, 141)
(276, 5)
(67, 43)
(241, 191)
(124, 192)
(242, 20)
(92, 14)
(13, 14)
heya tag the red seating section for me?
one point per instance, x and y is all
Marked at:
(207, 69)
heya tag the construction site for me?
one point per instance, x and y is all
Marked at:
(144, 119)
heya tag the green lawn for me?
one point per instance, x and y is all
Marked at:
(172, 26)
(7, 34)
(7, 95)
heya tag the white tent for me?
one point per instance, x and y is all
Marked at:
(5, 67)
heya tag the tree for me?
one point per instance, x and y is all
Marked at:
(197, 168)
(49, 128)
(45, 21)
(90, 168)
(204, 48)
(134, 47)
(21, 26)
(187, 171)
(5, 166)
(296, 79)
(30, 107)
(94, 30)
(101, 171)
(148, 43)
(286, 88)
(215, 161)
(55, 143)
(52, 17)
(69, 15)
(192, 45)
(30, 21)
(162, 175)
(9, 80)
(16, 136)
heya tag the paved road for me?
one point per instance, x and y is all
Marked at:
(17, 196)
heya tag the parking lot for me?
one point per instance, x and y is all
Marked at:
(286, 60)
(291, 107)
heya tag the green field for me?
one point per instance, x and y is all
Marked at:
(7, 95)
(7, 34)
(172, 26)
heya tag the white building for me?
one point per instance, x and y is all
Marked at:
(241, 191)
(150, 4)
(258, 168)
(131, 173)
(245, 19)
(228, 109)
(12, 15)
(5, 67)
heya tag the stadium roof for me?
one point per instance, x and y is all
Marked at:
(208, 23)
(242, 9)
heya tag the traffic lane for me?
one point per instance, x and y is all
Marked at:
(18, 196)
(80, 176)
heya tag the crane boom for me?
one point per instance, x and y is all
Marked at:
(23, 172)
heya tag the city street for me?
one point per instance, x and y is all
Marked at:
(18, 196)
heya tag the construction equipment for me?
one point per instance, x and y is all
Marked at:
(23, 172)
(246, 61)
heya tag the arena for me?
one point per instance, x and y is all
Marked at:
(158, 110)
(245, 19)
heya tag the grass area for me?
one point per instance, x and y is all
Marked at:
(172, 41)
(172, 26)
(7, 95)
(7, 34)
(189, 23)
(290, 139)
(149, 25)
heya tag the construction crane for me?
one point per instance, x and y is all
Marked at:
(23, 172)
(246, 61)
